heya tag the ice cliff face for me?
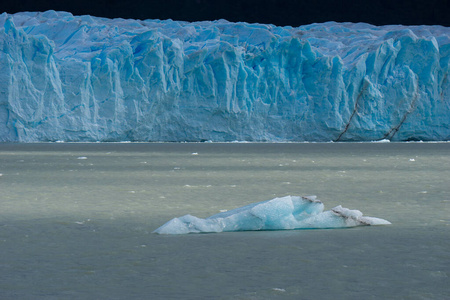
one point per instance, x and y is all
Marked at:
(93, 79)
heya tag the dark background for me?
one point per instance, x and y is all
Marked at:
(278, 12)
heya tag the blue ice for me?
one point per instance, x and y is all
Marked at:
(289, 212)
(84, 78)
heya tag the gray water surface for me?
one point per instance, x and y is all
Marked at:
(76, 221)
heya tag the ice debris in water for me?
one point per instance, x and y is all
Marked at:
(289, 212)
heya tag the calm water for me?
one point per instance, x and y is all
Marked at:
(76, 221)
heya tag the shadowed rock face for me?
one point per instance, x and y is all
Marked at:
(94, 79)
(290, 212)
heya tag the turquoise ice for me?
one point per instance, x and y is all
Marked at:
(83, 78)
(290, 212)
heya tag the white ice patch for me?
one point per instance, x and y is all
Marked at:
(290, 212)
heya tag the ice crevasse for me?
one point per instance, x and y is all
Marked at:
(83, 78)
(289, 212)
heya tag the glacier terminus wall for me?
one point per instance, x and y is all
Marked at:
(83, 78)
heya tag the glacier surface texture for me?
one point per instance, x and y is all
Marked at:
(290, 212)
(83, 78)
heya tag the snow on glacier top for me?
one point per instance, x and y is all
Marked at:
(84, 36)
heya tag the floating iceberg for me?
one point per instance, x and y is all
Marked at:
(290, 212)
(83, 78)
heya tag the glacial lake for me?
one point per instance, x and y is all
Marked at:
(76, 221)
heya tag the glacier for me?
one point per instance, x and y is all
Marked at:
(289, 212)
(87, 79)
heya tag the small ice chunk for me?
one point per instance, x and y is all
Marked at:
(356, 218)
(290, 212)
(82, 157)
